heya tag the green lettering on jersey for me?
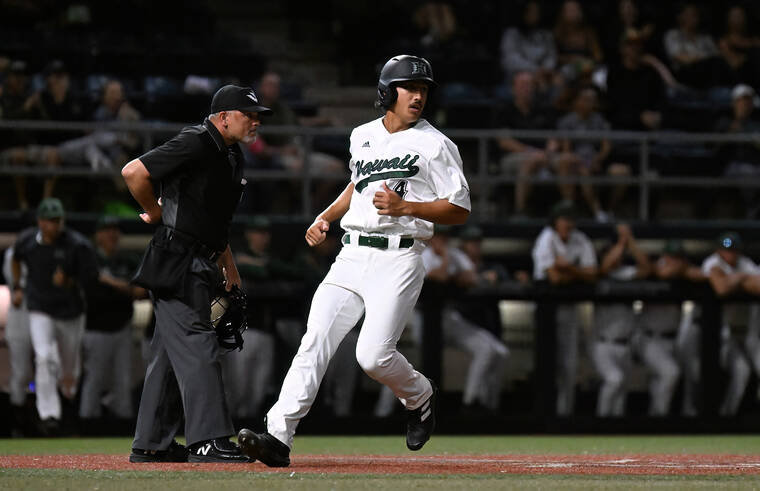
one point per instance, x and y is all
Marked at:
(375, 169)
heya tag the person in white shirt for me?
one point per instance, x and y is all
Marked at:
(405, 176)
(564, 255)
(729, 271)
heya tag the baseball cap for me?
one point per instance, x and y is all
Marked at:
(234, 98)
(19, 67)
(742, 90)
(730, 240)
(257, 223)
(50, 208)
(107, 221)
(673, 247)
(564, 208)
(55, 66)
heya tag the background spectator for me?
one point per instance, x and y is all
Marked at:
(528, 47)
(578, 47)
(592, 155)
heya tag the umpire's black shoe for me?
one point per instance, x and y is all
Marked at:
(264, 447)
(175, 453)
(420, 422)
(217, 450)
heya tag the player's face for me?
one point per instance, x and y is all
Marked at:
(731, 256)
(108, 238)
(412, 96)
(242, 126)
(564, 226)
(50, 228)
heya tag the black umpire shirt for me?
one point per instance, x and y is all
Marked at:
(201, 183)
(76, 257)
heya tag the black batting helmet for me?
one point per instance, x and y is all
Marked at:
(399, 69)
(228, 317)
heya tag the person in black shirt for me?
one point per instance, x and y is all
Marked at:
(200, 176)
(106, 348)
(61, 265)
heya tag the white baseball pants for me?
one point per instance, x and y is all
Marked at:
(57, 345)
(107, 369)
(20, 353)
(384, 284)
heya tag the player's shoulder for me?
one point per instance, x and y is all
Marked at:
(711, 259)
(26, 236)
(546, 234)
(425, 129)
(75, 238)
(370, 128)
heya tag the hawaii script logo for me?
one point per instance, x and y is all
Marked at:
(380, 169)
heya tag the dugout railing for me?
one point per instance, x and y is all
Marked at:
(481, 167)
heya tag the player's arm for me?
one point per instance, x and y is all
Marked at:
(441, 211)
(316, 232)
(231, 274)
(583, 273)
(138, 181)
(723, 283)
(17, 294)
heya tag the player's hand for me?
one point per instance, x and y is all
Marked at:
(231, 277)
(153, 216)
(317, 232)
(561, 262)
(59, 277)
(389, 202)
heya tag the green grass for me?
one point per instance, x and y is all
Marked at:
(391, 445)
(170, 481)
(61, 479)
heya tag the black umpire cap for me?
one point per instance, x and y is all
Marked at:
(234, 98)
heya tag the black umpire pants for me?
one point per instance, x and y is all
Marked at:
(184, 345)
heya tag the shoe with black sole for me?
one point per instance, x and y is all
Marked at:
(175, 453)
(420, 422)
(264, 447)
(217, 450)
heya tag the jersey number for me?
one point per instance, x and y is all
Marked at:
(401, 188)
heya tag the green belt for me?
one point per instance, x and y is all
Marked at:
(379, 242)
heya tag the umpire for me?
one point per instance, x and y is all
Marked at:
(199, 175)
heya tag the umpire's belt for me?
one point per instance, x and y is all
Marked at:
(378, 242)
(193, 246)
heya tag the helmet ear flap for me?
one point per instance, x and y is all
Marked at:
(386, 96)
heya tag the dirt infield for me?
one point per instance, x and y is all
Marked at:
(429, 464)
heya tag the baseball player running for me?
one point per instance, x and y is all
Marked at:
(405, 176)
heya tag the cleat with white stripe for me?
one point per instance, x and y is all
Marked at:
(420, 422)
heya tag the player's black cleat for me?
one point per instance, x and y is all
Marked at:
(217, 450)
(264, 447)
(175, 453)
(420, 422)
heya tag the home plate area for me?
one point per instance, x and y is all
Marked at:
(652, 464)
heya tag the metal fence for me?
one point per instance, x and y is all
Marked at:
(480, 174)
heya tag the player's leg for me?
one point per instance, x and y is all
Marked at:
(334, 311)
(734, 361)
(69, 334)
(389, 299)
(160, 414)
(487, 352)
(96, 360)
(566, 357)
(193, 351)
(20, 353)
(47, 365)
(688, 355)
(120, 401)
(658, 357)
(342, 376)
(606, 358)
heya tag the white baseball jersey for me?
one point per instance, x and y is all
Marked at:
(421, 164)
(734, 314)
(578, 251)
(458, 261)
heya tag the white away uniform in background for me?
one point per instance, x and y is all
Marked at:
(378, 272)
(742, 317)
(579, 251)
(18, 338)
